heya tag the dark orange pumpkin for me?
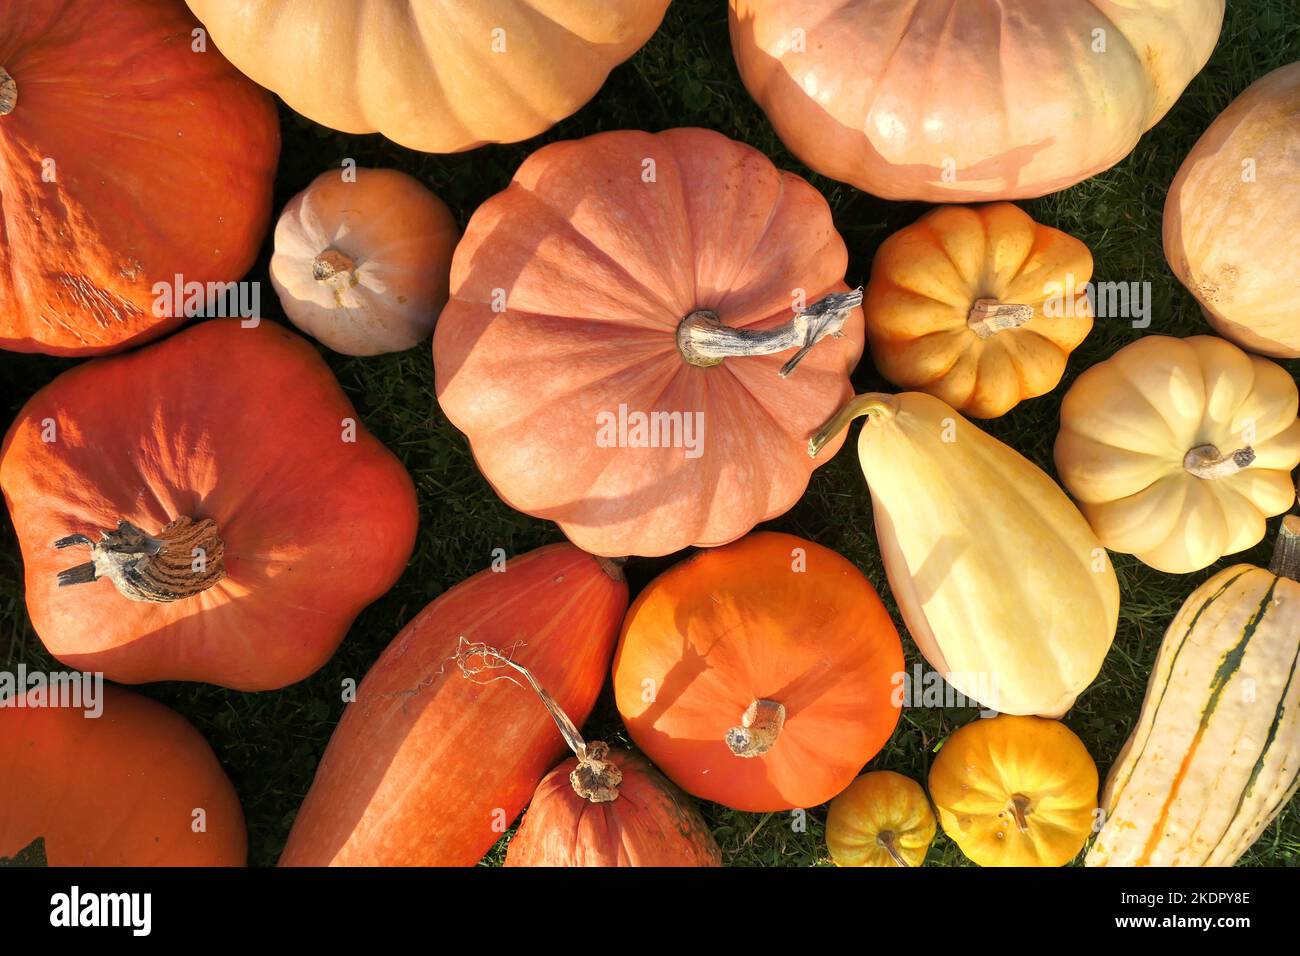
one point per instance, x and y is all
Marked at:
(429, 767)
(220, 481)
(761, 675)
(127, 157)
(134, 786)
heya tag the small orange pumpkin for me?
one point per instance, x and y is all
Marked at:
(760, 675)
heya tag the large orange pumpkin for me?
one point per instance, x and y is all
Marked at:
(429, 766)
(761, 675)
(134, 786)
(127, 157)
(442, 77)
(622, 334)
(957, 101)
(220, 481)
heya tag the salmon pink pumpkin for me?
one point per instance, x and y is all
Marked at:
(761, 675)
(221, 514)
(131, 153)
(963, 101)
(622, 335)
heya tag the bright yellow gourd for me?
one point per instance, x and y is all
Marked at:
(1215, 755)
(1178, 450)
(881, 819)
(1002, 584)
(1015, 791)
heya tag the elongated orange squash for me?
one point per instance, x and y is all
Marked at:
(429, 766)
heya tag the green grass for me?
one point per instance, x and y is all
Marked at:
(270, 742)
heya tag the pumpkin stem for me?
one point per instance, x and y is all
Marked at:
(596, 778)
(185, 557)
(331, 263)
(1206, 461)
(8, 92)
(759, 727)
(989, 316)
(1286, 550)
(888, 841)
(1020, 808)
(613, 567)
(705, 341)
(880, 406)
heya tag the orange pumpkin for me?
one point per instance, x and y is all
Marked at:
(134, 786)
(127, 158)
(955, 101)
(442, 77)
(431, 764)
(761, 675)
(224, 488)
(620, 345)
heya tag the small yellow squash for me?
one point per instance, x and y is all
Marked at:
(881, 819)
(1015, 791)
(980, 307)
(1179, 449)
(1002, 584)
(1215, 755)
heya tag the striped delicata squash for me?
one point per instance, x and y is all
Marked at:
(1215, 753)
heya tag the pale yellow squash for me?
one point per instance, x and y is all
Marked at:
(1216, 751)
(1230, 218)
(1001, 582)
(1179, 449)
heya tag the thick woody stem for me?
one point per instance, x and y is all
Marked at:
(1020, 809)
(877, 405)
(989, 316)
(184, 558)
(888, 841)
(705, 341)
(760, 725)
(1286, 550)
(596, 778)
(8, 92)
(331, 263)
(1206, 461)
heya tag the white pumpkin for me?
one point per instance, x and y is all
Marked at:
(363, 264)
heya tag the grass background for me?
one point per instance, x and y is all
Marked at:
(270, 743)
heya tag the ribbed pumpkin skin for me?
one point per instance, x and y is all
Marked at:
(245, 426)
(163, 164)
(598, 268)
(954, 101)
(736, 624)
(441, 77)
(427, 763)
(652, 823)
(115, 790)
(873, 805)
(1215, 754)
(956, 514)
(1231, 238)
(927, 277)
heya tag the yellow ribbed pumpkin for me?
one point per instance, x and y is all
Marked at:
(881, 819)
(1215, 755)
(1178, 450)
(1002, 584)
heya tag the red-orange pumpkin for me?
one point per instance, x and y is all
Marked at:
(134, 786)
(761, 675)
(620, 324)
(428, 767)
(127, 157)
(222, 484)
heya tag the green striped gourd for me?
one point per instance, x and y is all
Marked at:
(1216, 750)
